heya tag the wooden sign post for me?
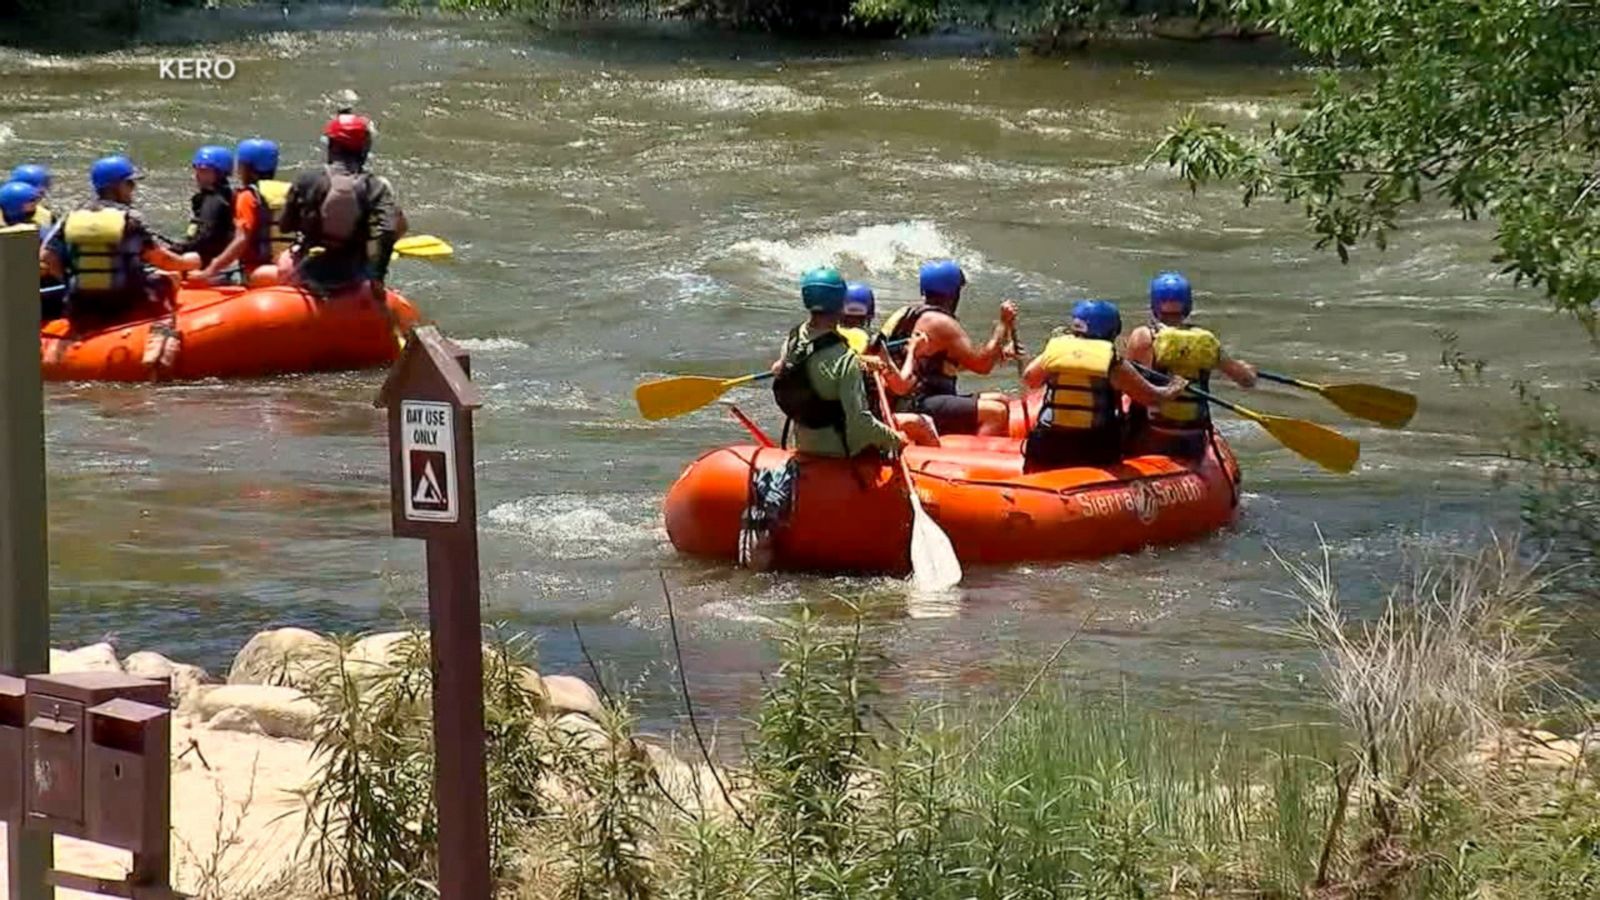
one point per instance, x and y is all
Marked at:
(24, 558)
(430, 397)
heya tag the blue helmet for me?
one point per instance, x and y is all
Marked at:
(111, 170)
(218, 159)
(823, 290)
(32, 173)
(1170, 287)
(1097, 319)
(14, 198)
(260, 155)
(858, 300)
(942, 278)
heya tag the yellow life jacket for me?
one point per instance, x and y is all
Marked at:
(1078, 392)
(99, 255)
(893, 322)
(271, 197)
(43, 217)
(855, 337)
(1192, 353)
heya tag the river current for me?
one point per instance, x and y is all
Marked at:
(627, 201)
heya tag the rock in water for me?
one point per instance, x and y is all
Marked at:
(287, 657)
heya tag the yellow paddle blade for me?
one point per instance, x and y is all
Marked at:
(1323, 446)
(423, 246)
(1386, 406)
(668, 397)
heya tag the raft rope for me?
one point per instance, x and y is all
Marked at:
(1063, 493)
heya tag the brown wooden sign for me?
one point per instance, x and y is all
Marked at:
(430, 397)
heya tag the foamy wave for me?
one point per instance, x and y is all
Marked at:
(7, 133)
(574, 526)
(563, 397)
(490, 345)
(881, 249)
(1248, 109)
(724, 95)
(29, 60)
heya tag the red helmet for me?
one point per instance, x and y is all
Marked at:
(349, 131)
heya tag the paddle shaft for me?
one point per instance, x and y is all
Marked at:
(887, 408)
(763, 376)
(1163, 378)
(1285, 379)
(1022, 369)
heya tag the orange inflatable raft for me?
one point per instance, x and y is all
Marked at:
(853, 515)
(236, 332)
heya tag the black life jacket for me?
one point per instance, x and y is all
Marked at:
(935, 374)
(792, 386)
(210, 222)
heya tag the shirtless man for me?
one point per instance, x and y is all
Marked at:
(947, 351)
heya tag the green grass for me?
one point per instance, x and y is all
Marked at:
(1045, 794)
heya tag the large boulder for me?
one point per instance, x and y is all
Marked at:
(234, 718)
(374, 653)
(583, 732)
(692, 785)
(566, 693)
(278, 711)
(284, 657)
(184, 678)
(533, 684)
(101, 657)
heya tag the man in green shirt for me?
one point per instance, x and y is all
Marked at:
(820, 383)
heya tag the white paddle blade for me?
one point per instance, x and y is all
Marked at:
(934, 566)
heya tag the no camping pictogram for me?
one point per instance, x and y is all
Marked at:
(428, 442)
(429, 491)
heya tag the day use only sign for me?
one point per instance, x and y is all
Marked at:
(428, 455)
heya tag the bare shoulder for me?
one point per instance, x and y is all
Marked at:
(938, 328)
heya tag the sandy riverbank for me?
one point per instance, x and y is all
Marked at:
(242, 752)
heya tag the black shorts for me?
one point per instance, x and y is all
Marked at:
(951, 413)
(1051, 448)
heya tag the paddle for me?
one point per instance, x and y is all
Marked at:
(423, 246)
(1022, 368)
(668, 397)
(1323, 446)
(679, 395)
(934, 566)
(1375, 403)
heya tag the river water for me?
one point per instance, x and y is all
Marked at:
(629, 200)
